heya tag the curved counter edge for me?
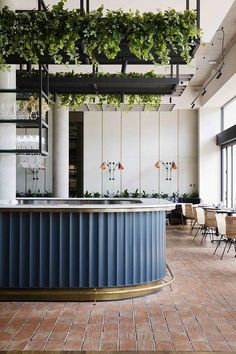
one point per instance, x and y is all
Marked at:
(94, 206)
(89, 295)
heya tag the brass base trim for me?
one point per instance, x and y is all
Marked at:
(86, 294)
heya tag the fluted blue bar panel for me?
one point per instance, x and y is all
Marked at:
(81, 250)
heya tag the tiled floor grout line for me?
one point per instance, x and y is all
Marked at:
(135, 327)
(69, 330)
(83, 340)
(12, 317)
(50, 333)
(217, 326)
(23, 327)
(39, 325)
(150, 323)
(19, 328)
(102, 330)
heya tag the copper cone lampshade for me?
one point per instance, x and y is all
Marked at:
(174, 166)
(158, 164)
(120, 166)
(103, 166)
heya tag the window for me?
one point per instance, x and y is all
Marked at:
(228, 172)
(229, 176)
(229, 114)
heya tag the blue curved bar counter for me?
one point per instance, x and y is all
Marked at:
(82, 249)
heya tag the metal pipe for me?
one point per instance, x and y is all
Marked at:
(87, 6)
(42, 5)
(187, 4)
(177, 71)
(198, 14)
(82, 6)
(124, 66)
(40, 107)
(29, 66)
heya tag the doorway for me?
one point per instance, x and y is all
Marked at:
(76, 154)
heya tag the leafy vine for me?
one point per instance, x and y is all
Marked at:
(67, 35)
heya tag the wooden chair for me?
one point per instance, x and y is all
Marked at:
(221, 226)
(210, 224)
(230, 233)
(200, 216)
(187, 210)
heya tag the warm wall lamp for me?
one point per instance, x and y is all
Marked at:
(111, 168)
(169, 166)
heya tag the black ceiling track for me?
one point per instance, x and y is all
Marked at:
(105, 85)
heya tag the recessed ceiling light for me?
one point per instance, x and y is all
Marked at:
(212, 62)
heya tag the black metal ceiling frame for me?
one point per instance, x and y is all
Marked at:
(105, 85)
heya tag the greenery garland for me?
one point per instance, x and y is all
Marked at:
(61, 34)
(75, 101)
(72, 74)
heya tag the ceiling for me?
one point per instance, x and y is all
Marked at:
(214, 15)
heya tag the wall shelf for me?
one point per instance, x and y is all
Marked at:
(41, 91)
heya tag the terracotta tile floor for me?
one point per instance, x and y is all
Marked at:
(199, 314)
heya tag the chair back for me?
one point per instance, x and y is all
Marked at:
(221, 223)
(230, 226)
(183, 208)
(200, 216)
(210, 218)
(189, 210)
(195, 213)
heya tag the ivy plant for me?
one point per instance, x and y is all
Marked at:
(67, 35)
(75, 101)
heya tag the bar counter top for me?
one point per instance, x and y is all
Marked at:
(89, 204)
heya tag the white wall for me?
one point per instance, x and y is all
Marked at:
(138, 140)
(209, 154)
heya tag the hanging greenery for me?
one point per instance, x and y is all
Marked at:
(75, 101)
(72, 74)
(64, 34)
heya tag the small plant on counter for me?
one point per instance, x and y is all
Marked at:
(136, 194)
(88, 194)
(31, 194)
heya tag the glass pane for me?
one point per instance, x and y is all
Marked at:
(224, 177)
(229, 177)
(234, 176)
(230, 114)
